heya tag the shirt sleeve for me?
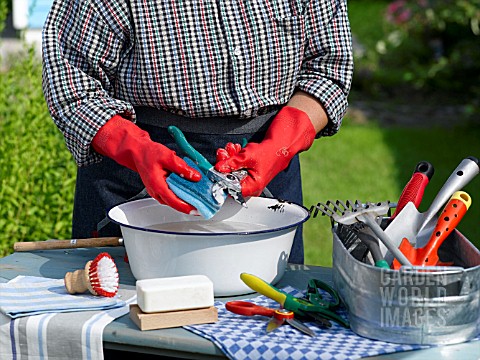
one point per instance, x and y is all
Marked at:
(327, 70)
(81, 50)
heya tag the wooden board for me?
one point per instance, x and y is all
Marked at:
(151, 321)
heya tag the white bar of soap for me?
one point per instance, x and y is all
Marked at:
(174, 293)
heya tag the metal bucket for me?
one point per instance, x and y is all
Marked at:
(416, 305)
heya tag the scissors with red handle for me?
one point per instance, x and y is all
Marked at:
(277, 316)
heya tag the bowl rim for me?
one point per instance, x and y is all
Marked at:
(255, 232)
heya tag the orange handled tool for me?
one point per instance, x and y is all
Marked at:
(277, 316)
(248, 309)
(447, 222)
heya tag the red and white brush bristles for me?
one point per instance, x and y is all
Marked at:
(100, 277)
(103, 275)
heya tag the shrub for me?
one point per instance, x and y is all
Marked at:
(4, 8)
(435, 43)
(37, 172)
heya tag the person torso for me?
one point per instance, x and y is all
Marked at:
(202, 58)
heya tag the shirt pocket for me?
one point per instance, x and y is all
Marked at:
(282, 55)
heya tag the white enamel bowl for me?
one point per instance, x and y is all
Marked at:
(162, 242)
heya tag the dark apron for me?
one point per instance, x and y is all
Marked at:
(103, 185)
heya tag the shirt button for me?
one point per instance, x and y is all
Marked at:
(237, 51)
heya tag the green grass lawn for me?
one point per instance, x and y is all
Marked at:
(354, 164)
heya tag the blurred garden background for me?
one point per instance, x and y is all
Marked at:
(415, 96)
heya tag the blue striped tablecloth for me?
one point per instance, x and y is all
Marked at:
(40, 320)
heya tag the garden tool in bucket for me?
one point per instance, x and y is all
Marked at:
(351, 212)
(447, 222)
(367, 236)
(412, 224)
(361, 243)
(414, 189)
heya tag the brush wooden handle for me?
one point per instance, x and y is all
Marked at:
(78, 281)
(67, 244)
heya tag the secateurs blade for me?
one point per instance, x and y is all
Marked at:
(229, 182)
(278, 317)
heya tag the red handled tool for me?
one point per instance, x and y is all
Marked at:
(278, 316)
(415, 188)
(447, 221)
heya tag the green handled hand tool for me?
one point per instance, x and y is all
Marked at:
(223, 181)
(314, 305)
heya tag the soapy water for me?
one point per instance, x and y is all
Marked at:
(191, 227)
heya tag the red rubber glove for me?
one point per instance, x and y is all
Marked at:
(291, 132)
(130, 146)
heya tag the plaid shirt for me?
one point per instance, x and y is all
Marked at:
(197, 58)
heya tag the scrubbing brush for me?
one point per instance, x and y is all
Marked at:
(99, 276)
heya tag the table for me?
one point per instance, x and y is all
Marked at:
(122, 334)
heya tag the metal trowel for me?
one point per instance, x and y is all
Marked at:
(414, 225)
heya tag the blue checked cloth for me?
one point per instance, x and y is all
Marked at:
(244, 337)
(30, 295)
